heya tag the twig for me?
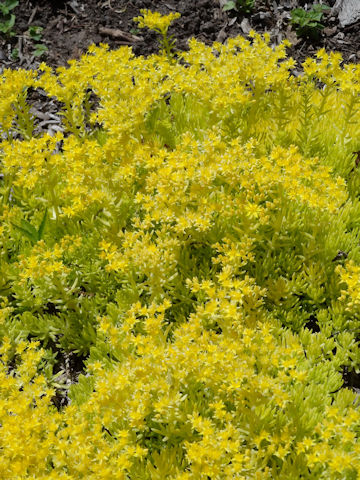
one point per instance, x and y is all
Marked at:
(32, 16)
(19, 47)
(120, 34)
(75, 9)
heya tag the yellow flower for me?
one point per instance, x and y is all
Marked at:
(156, 21)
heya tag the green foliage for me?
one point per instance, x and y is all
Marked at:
(39, 49)
(7, 19)
(308, 22)
(243, 6)
(29, 231)
(14, 53)
(35, 34)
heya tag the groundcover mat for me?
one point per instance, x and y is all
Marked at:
(180, 265)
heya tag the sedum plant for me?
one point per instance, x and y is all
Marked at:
(198, 249)
(160, 24)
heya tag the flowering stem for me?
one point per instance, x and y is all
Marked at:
(167, 47)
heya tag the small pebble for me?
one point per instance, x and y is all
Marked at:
(329, 32)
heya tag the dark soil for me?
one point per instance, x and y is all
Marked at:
(70, 26)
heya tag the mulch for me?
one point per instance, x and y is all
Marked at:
(70, 26)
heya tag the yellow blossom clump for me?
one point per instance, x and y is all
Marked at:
(26, 413)
(14, 84)
(350, 275)
(179, 266)
(156, 21)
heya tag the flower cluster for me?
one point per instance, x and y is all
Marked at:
(156, 21)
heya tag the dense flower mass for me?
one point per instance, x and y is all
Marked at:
(192, 236)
